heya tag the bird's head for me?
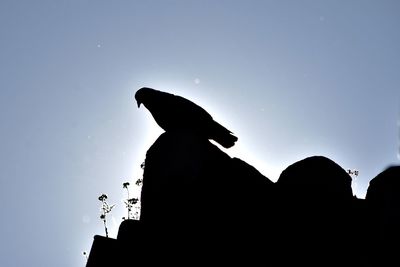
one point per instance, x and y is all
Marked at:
(146, 95)
(140, 95)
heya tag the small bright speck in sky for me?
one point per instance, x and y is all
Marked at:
(290, 79)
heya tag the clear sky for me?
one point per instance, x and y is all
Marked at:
(291, 79)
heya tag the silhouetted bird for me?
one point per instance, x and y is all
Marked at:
(175, 113)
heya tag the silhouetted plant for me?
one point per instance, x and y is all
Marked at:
(352, 172)
(131, 202)
(139, 182)
(105, 209)
(125, 185)
(85, 255)
(354, 175)
(127, 202)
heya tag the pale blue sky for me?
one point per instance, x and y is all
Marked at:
(290, 78)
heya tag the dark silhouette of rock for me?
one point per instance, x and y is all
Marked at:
(104, 252)
(315, 206)
(196, 194)
(200, 207)
(383, 199)
(175, 113)
(316, 177)
(127, 250)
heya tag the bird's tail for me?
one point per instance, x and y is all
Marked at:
(227, 141)
(223, 136)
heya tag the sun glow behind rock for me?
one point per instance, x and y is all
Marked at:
(240, 151)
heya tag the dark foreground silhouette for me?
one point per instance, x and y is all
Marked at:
(200, 207)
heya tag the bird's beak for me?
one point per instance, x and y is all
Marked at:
(138, 104)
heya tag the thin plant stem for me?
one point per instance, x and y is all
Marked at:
(105, 227)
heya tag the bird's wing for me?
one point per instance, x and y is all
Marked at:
(184, 105)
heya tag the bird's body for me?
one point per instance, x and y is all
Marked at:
(175, 113)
